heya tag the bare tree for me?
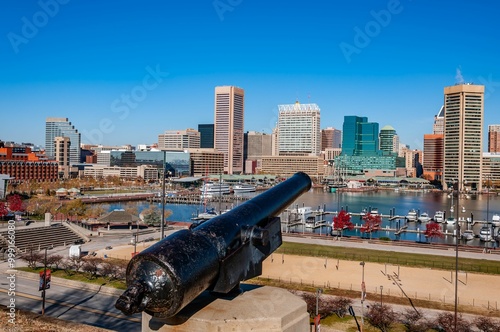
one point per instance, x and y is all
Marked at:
(54, 261)
(91, 266)
(414, 321)
(340, 305)
(114, 269)
(381, 316)
(32, 257)
(486, 324)
(446, 322)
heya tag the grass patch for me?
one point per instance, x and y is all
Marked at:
(391, 257)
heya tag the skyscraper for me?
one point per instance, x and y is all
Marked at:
(228, 127)
(438, 127)
(299, 129)
(62, 149)
(387, 134)
(463, 136)
(206, 135)
(359, 137)
(331, 138)
(61, 127)
(494, 138)
(179, 139)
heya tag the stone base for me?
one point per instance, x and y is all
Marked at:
(260, 309)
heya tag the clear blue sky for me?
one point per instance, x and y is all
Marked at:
(80, 59)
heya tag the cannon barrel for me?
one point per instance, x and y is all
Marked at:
(216, 255)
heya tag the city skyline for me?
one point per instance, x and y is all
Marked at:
(124, 75)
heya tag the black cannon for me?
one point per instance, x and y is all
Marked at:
(216, 255)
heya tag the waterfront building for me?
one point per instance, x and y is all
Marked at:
(433, 156)
(62, 155)
(179, 139)
(205, 161)
(286, 166)
(491, 168)
(256, 145)
(463, 136)
(177, 162)
(61, 127)
(22, 164)
(359, 137)
(494, 138)
(228, 126)
(146, 172)
(413, 160)
(299, 129)
(206, 136)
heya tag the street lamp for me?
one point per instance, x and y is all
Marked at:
(318, 292)
(363, 293)
(381, 288)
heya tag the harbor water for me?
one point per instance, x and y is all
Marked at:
(477, 208)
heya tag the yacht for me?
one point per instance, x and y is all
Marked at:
(374, 212)
(208, 214)
(485, 234)
(243, 188)
(495, 220)
(450, 221)
(411, 215)
(439, 216)
(468, 235)
(424, 217)
(215, 188)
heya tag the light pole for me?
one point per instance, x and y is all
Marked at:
(318, 292)
(381, 288)
(162, 226)
(363, 293)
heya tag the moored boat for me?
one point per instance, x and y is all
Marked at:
(423, 217)
(411, 215)
(439, 216)
(468, 235)
(485, 234)
(243, 188)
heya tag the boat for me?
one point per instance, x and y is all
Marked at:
(243, 188)
(450, 221)
(423, 217)
(468, 235)
(208, 214)
(212, 188)
(485, 234)
(439, 216)
(411, 215)
(495, 220)
(374, 212)
(304, 213)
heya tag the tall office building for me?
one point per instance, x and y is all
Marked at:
(206, 135)
(438, 127)
(62, 148)
(299, 129)
(433, 156)
(228, 126)
(331, 138)
(179, 139)
(494, 138)
(359, 137)
(463, 136)
(387, 141)
(61, 127)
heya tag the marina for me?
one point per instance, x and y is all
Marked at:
(392, 206)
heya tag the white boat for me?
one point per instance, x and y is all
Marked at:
(495, 220)
(213, 188)
(485, 234)
(208, 214)
(439, 216)
(423, 217)
(468, 235)
(411, 215)
(243, 188)
(450, 221)
(304, 213)
(374, 212)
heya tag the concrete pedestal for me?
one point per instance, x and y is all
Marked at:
(260, 309)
